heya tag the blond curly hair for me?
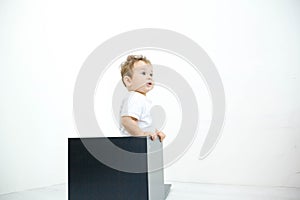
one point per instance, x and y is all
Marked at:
(127, 66)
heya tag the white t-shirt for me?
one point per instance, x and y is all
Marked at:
(138, 106)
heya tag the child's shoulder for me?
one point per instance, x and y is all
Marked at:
(134, 96)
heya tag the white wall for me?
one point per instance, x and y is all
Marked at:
(254, 45)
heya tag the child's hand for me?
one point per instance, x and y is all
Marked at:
(153, 136)
(160, 134)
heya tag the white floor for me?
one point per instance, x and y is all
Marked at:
(179, 191)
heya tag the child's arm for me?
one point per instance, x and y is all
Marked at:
(131, 125)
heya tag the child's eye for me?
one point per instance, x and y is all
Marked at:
(151, 75)
(144, 73)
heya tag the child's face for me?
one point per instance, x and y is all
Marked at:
(141, 80)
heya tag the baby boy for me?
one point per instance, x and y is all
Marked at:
(137, 76)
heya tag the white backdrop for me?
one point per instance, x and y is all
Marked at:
(254, 45)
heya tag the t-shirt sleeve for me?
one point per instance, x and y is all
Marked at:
(132, 106)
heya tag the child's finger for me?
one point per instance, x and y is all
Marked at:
(161, 136)
(153, 137)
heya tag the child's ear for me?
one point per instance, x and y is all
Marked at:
(127, 80)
